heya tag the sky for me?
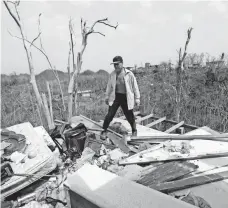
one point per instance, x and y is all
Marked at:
(148, 31)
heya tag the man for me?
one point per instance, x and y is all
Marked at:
(122, 90)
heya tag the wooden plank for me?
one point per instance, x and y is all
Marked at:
(110, 190)
(119, 142)
(94, 122)
(156, 122)
(221, 137)
(167, 172)
(144, 118)
(154, 160)
(174, 127)
(189, 182)
(174, 122)
(142, 130)
(135, 113)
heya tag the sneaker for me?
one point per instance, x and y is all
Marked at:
(103, 135)
(134, 133)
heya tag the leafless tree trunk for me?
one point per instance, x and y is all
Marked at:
(16, 18)
(68, 64)
(47, 113)
(72, 88)
(50, 104)
(41, 49)
(179, 70)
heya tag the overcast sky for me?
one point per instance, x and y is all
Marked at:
(147, 32)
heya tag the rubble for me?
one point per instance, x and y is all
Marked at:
(73, 146)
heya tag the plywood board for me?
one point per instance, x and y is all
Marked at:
(141, 130)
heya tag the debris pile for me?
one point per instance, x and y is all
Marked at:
(162, 166)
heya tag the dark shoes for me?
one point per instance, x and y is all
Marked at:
(134, 133)
(103, 135)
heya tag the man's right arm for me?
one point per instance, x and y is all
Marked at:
(108, 89)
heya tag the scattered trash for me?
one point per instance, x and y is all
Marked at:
(183, 147)
(26, 199)
(144, 146)
(18, 157)
(191, 198)
(115, 168)
(73, 146)
(117, 154)
(32, 154)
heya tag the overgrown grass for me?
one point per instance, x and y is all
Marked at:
(204, 101)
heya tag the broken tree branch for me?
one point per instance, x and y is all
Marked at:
(179, 75)
(12, 15)
(50, 103)
(72, 87)
(99, 33)
(68, 63)
(186, 44)
(35, 39)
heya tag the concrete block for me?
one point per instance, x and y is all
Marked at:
(107, 190)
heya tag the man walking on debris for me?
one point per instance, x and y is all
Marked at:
(122, 90)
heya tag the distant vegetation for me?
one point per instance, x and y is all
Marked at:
(204, 98)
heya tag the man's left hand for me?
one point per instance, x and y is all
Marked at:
(137, 102)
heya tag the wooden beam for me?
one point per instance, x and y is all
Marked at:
(110, 130)
(119, 142)
(174, 127)
(135, 113)
(154, 160)
(176, 185)
(156, 122)
(221, 138)
(174, 122)
(139, 120)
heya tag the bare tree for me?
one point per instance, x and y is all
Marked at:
(85, 32)
(17, 20)
(179, 71)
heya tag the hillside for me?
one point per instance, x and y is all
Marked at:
(102, 72)
(48, 75)
(87, 72)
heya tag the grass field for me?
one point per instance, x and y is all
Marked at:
(204, 98)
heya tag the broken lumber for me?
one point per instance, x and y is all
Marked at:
(156, 122)
(167, 172)
(147, 160)
(101, 126)
(221, 137)
(119, 142)
(174, 122)
(174, 127)
(139, 120)
(168, 187)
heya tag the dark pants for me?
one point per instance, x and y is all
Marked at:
(120, 100)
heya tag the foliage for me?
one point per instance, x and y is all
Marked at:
(204, 102)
